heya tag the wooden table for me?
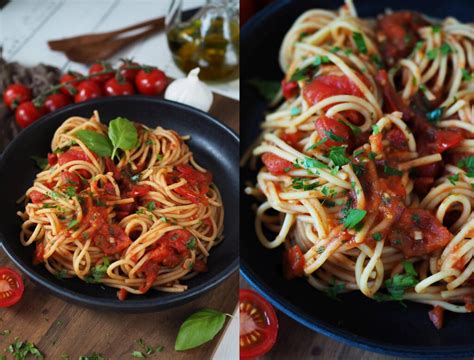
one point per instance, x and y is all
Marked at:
(58, 327)
(296, 341)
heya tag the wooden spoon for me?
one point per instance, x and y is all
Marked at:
(88, 39)
(103, 50)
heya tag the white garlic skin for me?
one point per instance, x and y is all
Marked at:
(190, 91)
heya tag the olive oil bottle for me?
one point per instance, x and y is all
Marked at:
(209, 40)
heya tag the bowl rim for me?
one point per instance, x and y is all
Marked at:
(300, 316)
(136, 305)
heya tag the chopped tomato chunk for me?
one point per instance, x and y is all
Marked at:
(292, 138)
(335, 132)
(325, 86)
(437, 316)
(275, 164)
(52, 159)
(112, 239)
(37, 197)
(293, 262)
(418, 233)
(122, 294)
(139, 190)
(39, 253)
(71, 179)
(289, 89)
(74, 153)
(200, 266)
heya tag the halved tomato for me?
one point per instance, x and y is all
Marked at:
(258, 325)
(11, 287)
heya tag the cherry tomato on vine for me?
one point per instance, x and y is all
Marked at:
(70, 89)
(11, 287)
(15, 94)
(27, 113)
(87, 90)
(151, 82)
(56, 101)
(98, 68)
(114, 87)
(258, 325)
(127, 73)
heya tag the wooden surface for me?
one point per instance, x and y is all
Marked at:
(296, 341)
(58, 327)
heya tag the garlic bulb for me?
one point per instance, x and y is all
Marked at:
(190, 91)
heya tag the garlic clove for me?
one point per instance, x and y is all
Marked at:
(190, 91)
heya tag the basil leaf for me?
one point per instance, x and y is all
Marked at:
(353, 218)
(390, 171)
(338, 155)
(123, 134)
(42, 163)
(199, 328)
(267, 88)
(95, 142)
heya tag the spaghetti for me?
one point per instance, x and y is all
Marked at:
(145, 217)
(368, 165)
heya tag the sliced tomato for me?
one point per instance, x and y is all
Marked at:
(74, 153)
(275, 164)
(11, 287)
(437, 316)
(70, 178)
(335, 132)
(434, 234)
(292, 138)
(293, 262)
(37, 197)
(258, 325)
(289, 89)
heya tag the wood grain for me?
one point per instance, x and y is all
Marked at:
(58, 327)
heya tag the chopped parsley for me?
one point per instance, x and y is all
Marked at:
(445, 49)
(377, 60)
(358, 152)
(390, 171)
(21, 349)
(295, 111)
(320, 249)
(432, 54)
(466, 75)
(418, 45)
(358, 169)
(316, 144)
(61, 274)
(70, 191)
(337, 155)
(452, 179)
(335, 49)
(436, 28)
(309, 163)
(72, 224)
(150, 206)
(93, 356)
(149, 142)
(334, 137)
(397, 285)
(335, 289)
(318, 60)
(377, 236)
(298, 183)
(98, 272)
(360, 42)
(468, 164)
(353, 218)
(159, 157)
(435, 115)
(415, 218)
(372, 155)
(375, 129)
(191, 244)
(355, 129)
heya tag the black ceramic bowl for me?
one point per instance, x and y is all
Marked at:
(356, 320)
(214, 146)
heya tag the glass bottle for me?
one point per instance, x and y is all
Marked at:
(208, 40)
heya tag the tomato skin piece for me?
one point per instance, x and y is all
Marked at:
(435, 235)
(437, 316)
(52, 159)
(72, 80)
(326, 126)
(293, 263)
(325, 86)
(56, 101)
(88, 90)
(16, 94)
(113, 87)
(275, 164)
(152, 82)
(11, 287)
(100, 67)
(39, 253)
(252, 343)
(27, 113)
(122, 294)
(37, 197)
(289, 88)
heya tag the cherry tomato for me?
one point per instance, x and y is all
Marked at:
(127, 73)
(113, 87)
(71, 79)
(56, 101)
(11, 287)
(151, 82)
(293, 262)
(87, 90)
(16, 94)
(98, 68)
(258, 325)
(27, 113)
